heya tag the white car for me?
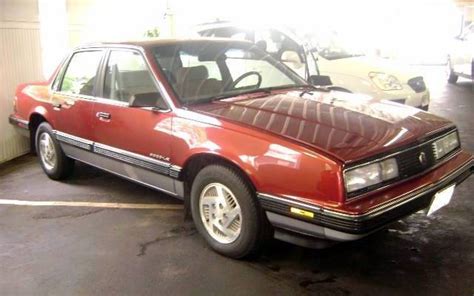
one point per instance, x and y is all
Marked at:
(347, 71)
(461, 56)
(376, 77)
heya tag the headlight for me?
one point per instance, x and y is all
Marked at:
(371, 174)
(385, 81)
(445, 145)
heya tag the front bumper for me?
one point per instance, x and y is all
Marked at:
(408, 97)
(327, 224)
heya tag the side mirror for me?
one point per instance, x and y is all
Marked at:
(152, 99)
(320, 80)
(291, 59)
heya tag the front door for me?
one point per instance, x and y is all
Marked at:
(137, 139)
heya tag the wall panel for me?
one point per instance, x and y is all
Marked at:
(20, 61)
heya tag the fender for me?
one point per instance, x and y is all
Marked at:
(40, 101)
(257, 157)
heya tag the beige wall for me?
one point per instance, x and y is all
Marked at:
(30, 49)
(112, 20)
(20, 61)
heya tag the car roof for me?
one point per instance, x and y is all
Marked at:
(148, 43)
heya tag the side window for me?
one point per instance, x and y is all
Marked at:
(80, 75)
(239, 36)
(276, 42)
(208, 33)
(234, 33)
(127, 77)
(468, 33)
(273, 41)
(59, 75)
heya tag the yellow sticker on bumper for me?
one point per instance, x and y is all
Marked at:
(301, 212)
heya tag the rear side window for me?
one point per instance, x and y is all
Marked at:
(80, 75)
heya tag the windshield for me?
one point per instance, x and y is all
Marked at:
(200, 71)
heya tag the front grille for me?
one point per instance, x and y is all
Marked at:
(411, 161)
(417, 84)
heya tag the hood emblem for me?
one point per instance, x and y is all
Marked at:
(422, 158)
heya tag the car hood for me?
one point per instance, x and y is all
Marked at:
(349, 127)
(362, 66)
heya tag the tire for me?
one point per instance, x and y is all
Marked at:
(54, 162)
(452, 78)
(252, 223)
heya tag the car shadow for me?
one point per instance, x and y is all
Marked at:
(97, 180)
(395, 258)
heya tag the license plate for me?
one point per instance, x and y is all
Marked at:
(441, 198)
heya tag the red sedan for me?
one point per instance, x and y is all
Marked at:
(250, 147)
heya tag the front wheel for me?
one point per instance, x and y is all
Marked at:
(226, 213)
(54, 162)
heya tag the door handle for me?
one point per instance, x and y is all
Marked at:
(103, 115)
(57, 105)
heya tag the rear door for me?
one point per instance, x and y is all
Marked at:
(73, 96)
(136, 139)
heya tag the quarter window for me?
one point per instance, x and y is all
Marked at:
(127, 76)
(80, 75)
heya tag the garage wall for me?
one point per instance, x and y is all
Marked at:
(20, 61)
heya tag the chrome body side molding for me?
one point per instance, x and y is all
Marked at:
(73, 140)
(147, 171)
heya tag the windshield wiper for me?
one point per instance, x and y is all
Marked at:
(308, 91)
(314, 88)
(266, 90)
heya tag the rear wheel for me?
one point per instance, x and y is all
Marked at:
(452, 78)
(226, 212)
(54, 162)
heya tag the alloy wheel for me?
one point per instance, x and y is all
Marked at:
(220, 213)
(47, 151)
